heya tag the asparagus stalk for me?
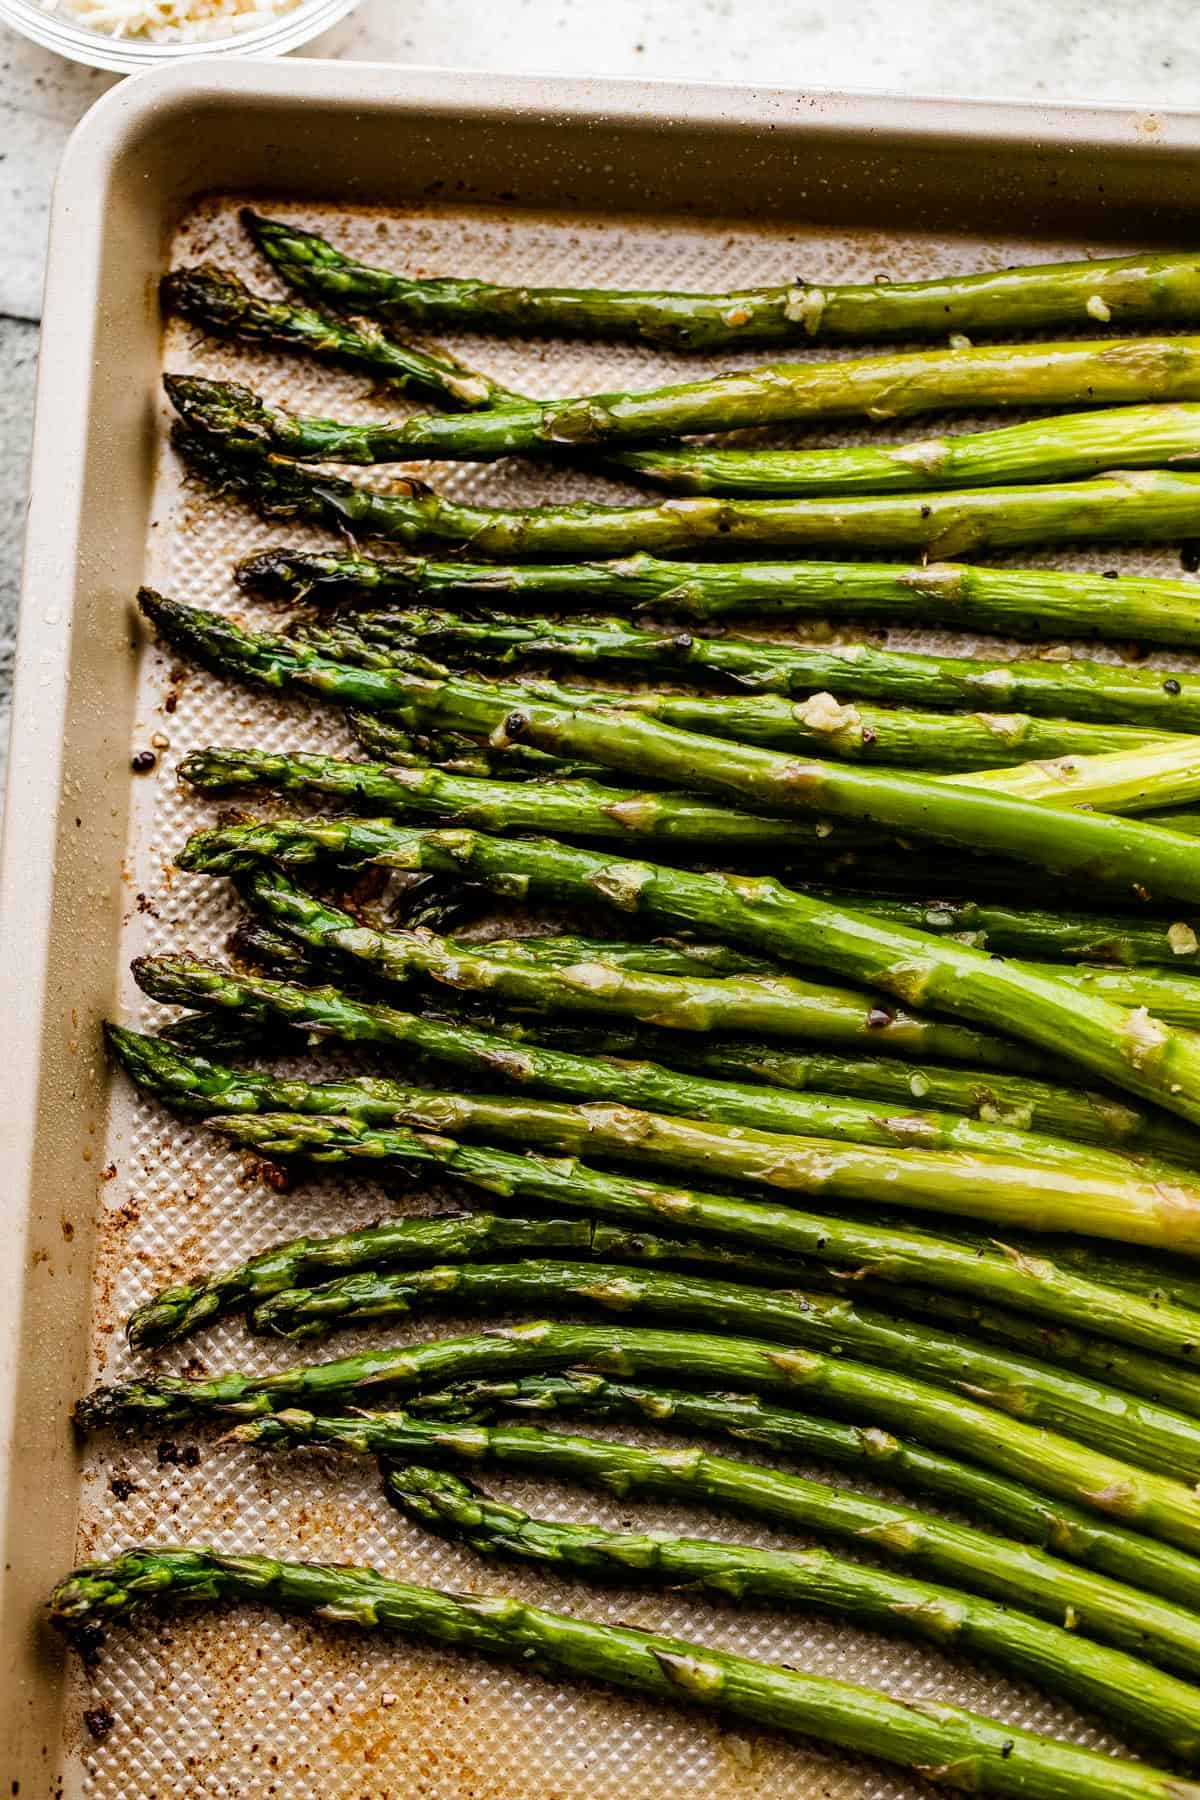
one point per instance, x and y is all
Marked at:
(1003, 1761)
(1023, 1103)
(851, 730)
(454, 752)
(1065, 1346)
(1055, 449)
(445, 1237)
(1156, 1708)
(221, 303)
(1038, 1167)
(1170, 996)
(1064, 1530)
(1158, 1278)
(1072, 445)
(1124, 781)
(1035, 1277)
(457, 753)
(1052, 1187)
(1141, 1433)
(578, 808)
(1125, 438)
(896, 385)
(587, 723)
(1130, 1049)
(1175, 998)
(782, 1006)
(675, 1475)
(1137, 506)
(581, 807)
(1134, 945)
(1101, 1605)
(1162, 700)
(280, 663)
(1019, 603)
(1141, 289)
(1112, 938)
(1145, 858)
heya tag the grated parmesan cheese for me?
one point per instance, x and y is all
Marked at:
(171, 21)
(821, 712)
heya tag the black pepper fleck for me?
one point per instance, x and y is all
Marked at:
(142, 761)
(99, 1721)
(182, 1456)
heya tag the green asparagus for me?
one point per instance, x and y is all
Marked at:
(1082, 844)
(1130, 1049)
(459, 754)
(1022, 603)
(577, 808)
(979, 1493)
(1139, 506)
(1063, 1345)
(1169, 995)
(1165, 1629)
(1023, 1103)
(1142, 289)
(896, 385)
(1072, 445)
(1132, 437)
(1142, 858)
(856, 732)
(851, 730)
(184, 1308)
(782, 1006)
(1154, 1504)
(220, 302)
(1172, 997)
(1001, 1760)
(1059, 936)
(1161, 700)
(1154, 1707)
(1053, 1186)
(1036, 1277)
(1135, 1430)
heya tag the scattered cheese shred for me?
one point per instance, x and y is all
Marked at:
(171, 21)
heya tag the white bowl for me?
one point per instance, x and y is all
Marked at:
(59, 31)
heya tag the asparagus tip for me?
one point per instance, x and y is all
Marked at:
(222, 409)
(273, 575)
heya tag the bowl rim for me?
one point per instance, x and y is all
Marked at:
(61, 33)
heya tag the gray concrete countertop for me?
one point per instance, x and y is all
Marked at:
(1038, 49)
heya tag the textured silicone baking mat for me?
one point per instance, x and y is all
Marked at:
(238, 1702)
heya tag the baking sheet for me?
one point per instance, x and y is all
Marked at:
(238, 1701)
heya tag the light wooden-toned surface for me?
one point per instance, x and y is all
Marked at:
(1143, 56)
